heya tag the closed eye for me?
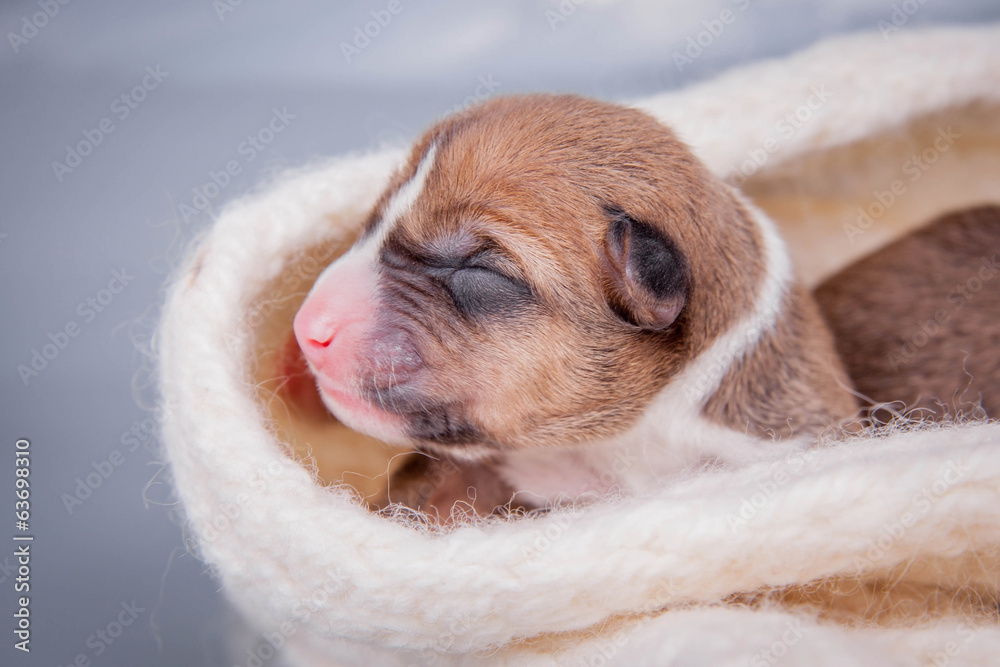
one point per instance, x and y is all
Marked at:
(479, 283)
(477, 291)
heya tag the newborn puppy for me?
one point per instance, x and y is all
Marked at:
(553, 298)
(918, 322)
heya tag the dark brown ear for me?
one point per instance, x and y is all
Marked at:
(646, 272)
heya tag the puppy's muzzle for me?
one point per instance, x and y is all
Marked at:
(350, 352)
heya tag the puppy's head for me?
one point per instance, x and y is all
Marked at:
(540, 268)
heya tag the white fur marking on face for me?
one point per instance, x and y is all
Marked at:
(365, 252)
(403, 200)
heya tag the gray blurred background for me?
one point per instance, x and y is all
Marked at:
(115, 117)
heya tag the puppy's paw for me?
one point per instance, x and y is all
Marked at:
(448, 491)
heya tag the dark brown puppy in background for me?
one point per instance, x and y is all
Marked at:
(917, 323)
(554, 298)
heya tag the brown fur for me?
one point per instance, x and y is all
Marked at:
(792, 383)
(448, 490)
(918, 322)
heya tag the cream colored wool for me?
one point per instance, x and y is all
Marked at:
(641, 580)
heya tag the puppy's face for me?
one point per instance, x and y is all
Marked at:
(540, 268)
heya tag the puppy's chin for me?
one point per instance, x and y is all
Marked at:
(361, 416)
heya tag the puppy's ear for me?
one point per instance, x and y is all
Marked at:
(647, 277)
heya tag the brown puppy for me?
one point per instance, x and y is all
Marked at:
(554, 295)
(918, 322)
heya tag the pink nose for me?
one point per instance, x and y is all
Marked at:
(331, 323)
(314, 328)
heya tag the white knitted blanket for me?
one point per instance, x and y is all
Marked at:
(879, 551)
